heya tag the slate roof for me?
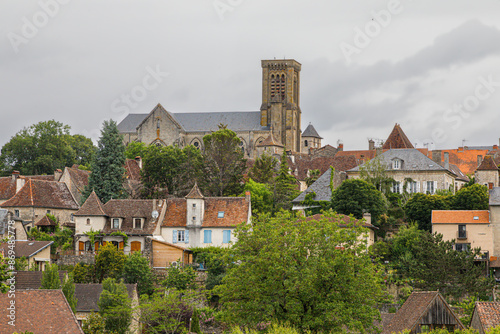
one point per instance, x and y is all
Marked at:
(488, 313)
(413, 160)
(130, 122)
(460, 216)
(412, 310)
(321, 187)
(494, 196)
(488, 164)
(310, 131)
(46, 221)
(88, 296)
(460, 175)
(32, 280)
(40, 311)
(128, 209)
(235, 212)
(92, 207)
(26, 248)
(397, 139)
(43, 194)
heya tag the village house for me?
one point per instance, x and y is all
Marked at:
(487, 173)
(423, 312)
(37, 253)
(75, 179)
(17, 229)
(486, 316)
(39, 311)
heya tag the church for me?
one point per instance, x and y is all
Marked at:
(276, 127)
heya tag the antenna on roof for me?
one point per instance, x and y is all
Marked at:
(463, 142)
(427, 144)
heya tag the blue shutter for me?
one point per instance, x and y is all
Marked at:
(226, 236)
(207, 236)
(186, 236)
(174, 237)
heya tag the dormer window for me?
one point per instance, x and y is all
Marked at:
(396, 164)
(138, 223)
(116, 223)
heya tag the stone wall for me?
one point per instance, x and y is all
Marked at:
(72, 260)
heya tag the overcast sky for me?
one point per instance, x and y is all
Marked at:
(431, 66)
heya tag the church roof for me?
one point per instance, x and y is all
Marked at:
(130, 123)
(487, 164)
(270, 141)
(310, 131)
(397, 139)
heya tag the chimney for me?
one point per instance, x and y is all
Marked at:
(15, 175)
(436, 156)
(139, 161)
(20, 181)
(446, 160)
(247, 196)
(368, 217)
(57, 174)
(341, 147)
(479, 160)
(371, 144)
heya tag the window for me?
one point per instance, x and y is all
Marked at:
(88, 221)
(194, 219)
(180, 236)
(72, 217)
(207, 236)
(116, 223)
(305, 143)
(194, 205)
(462, 233)
(395, 187)
(462, 247)
(220, 214)
(396, 164)
(48, 211)
(412, 187)
(196, 144)
(226, 236)
(137, 223)
(16, 213)
(430, 187)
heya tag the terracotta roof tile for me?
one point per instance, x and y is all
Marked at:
(489, 314)
(465, 159)
(460, 217)
(79, 177)
(92, 206)
(128, 209)
(488, 164)
(7, 187)
(46, 221)
(176, 212)
(195, 192)
(43, 194)
(397, 139)
(361, 156)
(32, 280)
(26, 248)
(40, 311)
(340, 163)
(133, 171)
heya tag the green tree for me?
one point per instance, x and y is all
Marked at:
(313, 275)
(107, 168)
(94, 324)
(375, 173)
(109, 262)
(473, 197)
(285, 186)
(180, 278)
(264, 169)
(21, 263)
(68, 289)
(223, 163)
(115, 306)
(354, 197)
(262, 196)
(135, 149)
(84, 273)
(50, 277)
(313, 176)
(419, 209)
(169, 170)
(6, 265)
(44, 147)
(136, 269)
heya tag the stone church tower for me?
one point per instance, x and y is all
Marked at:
(280, 109)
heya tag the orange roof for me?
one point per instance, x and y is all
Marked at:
(460, 217)
(465, 159)
(397, 139)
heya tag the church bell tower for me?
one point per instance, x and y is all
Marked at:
(280, 101)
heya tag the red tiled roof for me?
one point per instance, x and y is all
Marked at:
(460, 216)
(488, 164)
(26, 248)
(7, 187)
(235, 212)
(465, 159)
(43, 194)
(46, 221)
(488, 313)
(39, 311)
(26, 280)
(128, 209)
(195, 192)
(133, 172)
(79, 177)
(340, 163)
(397, 139)
(91, 207)
(360, 155)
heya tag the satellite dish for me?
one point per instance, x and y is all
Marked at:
(155, 214)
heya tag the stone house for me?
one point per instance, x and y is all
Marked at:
(423, 312)
(16, 229)
(75, 179)
(39, 311)
(487, 173)
(198, 221)
(486, 316)
(279, 115)
(137, 219)
(37, 253)
(469, 228)
(35, 198)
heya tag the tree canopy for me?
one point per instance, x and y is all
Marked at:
(419, 209)
(285, 186)
(107, 168)
(264, 169)
(311, 274)
(115, 306)
(473, 197)
(44, 147)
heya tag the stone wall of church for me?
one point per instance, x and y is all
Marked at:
(159, 120)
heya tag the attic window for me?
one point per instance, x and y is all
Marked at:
(137, 223)
(396, 164)
(116, 223)
(476, 218)
(16, 213)
(220, 214)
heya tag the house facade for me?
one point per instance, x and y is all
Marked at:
(37, 253)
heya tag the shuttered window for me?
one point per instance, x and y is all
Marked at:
(207, 236)
(226, 236)
(135, 246)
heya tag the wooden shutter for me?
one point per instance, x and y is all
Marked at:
(435, 186)
(81, 246)
(120, 245)
(135, 246)
(104, 243)
(186, 236)
(174, 237)
(96, 246)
